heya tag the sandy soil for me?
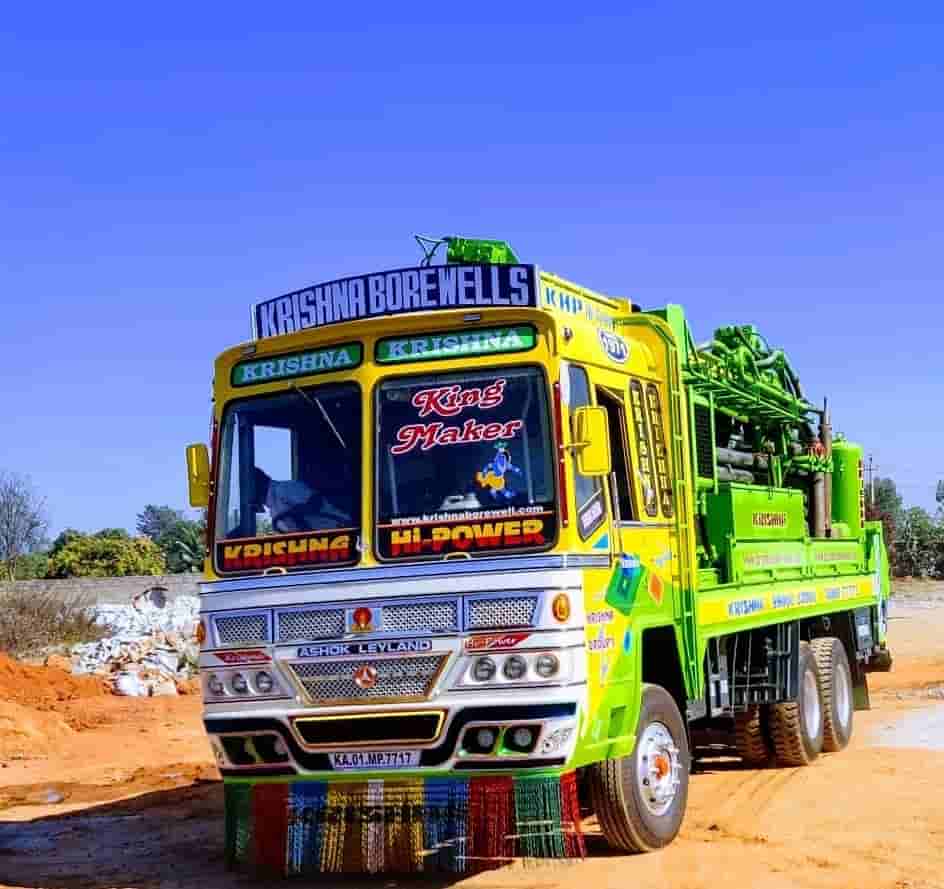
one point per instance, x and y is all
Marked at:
(97, 791)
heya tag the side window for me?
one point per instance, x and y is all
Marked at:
(644, 449)
(619, 450)
(659, 452)
(588, 491)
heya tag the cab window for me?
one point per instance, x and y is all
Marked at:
(619, 449)
(588, 492)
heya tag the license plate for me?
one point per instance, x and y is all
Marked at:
(374, 759)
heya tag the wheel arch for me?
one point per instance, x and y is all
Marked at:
(661, 662)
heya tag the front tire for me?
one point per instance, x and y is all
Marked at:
(835, 688)
(796, 727)
(640, 799)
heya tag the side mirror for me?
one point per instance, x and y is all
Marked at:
(198, 475)
(593, 441)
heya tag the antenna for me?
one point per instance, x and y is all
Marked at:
(429, 246)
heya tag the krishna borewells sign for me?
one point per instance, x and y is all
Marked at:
(396, 293)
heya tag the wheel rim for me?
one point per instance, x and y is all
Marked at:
(811, 712)
(842, 694)
(657, 768)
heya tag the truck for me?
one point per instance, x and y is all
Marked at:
(489, 551)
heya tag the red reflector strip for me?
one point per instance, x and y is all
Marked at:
(561, 469)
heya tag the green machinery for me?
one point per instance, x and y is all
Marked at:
(777, 498)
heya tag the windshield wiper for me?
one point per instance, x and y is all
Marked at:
(316, 403)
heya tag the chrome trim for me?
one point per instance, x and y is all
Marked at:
(407, 572)
(339, 745)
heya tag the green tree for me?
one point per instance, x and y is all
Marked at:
(114, 533)
(62, 539)
(32, 566)
(154, 521)
(886, 497)
(92, 555)
(183, 546)
(914, 544)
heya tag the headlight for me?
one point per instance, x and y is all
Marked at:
(238, 684)
(483, 669)
(264, 683)
(514, 667)
(546, 665)
(215, 685)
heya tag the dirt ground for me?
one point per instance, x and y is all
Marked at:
(98, 791)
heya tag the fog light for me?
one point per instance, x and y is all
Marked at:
(238, 683)
(483, 669)
(514, 667)
(264, 683)
(521, 738)
(485, 738)
(546, 665)
(215, 685)
(480, 741)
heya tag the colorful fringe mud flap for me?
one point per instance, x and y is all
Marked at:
(444, 825)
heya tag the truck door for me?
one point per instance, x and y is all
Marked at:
(645, 517)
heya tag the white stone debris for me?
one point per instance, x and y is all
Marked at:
(151, 646)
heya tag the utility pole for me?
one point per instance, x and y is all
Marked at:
(870, 470)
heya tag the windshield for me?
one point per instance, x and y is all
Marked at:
(288, 492)
(465, 464)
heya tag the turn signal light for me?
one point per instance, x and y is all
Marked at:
(560, 607)
(201, 633)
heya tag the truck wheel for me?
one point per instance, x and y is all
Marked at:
(640, 798)
(835, 690)
(796, 727)
(750, 737)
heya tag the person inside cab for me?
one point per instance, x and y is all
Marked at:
(295, 506)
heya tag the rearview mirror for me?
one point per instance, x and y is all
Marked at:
(593, 441)
(198, 474)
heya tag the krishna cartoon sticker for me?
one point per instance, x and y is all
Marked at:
(493, 476)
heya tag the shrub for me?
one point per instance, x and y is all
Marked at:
(32, 621)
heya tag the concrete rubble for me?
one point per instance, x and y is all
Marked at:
(151, 646)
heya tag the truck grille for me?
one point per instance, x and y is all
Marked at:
(310, 623)
(402, 679)
(416, 617)
(511, 611)
(242, 629)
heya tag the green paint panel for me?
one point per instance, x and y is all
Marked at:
(456, 344)
(752, 512)
(781, 560)
(298, 364)
(830, 557)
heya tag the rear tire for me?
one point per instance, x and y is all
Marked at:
(796, 727)
(835, 689)
(640, 798)
(750, 736)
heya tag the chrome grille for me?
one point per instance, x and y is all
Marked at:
(321, 623)
(417, 617)
(242, 629)
(513, 611)
(403, 678)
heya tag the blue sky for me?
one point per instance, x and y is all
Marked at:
(162, 168)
